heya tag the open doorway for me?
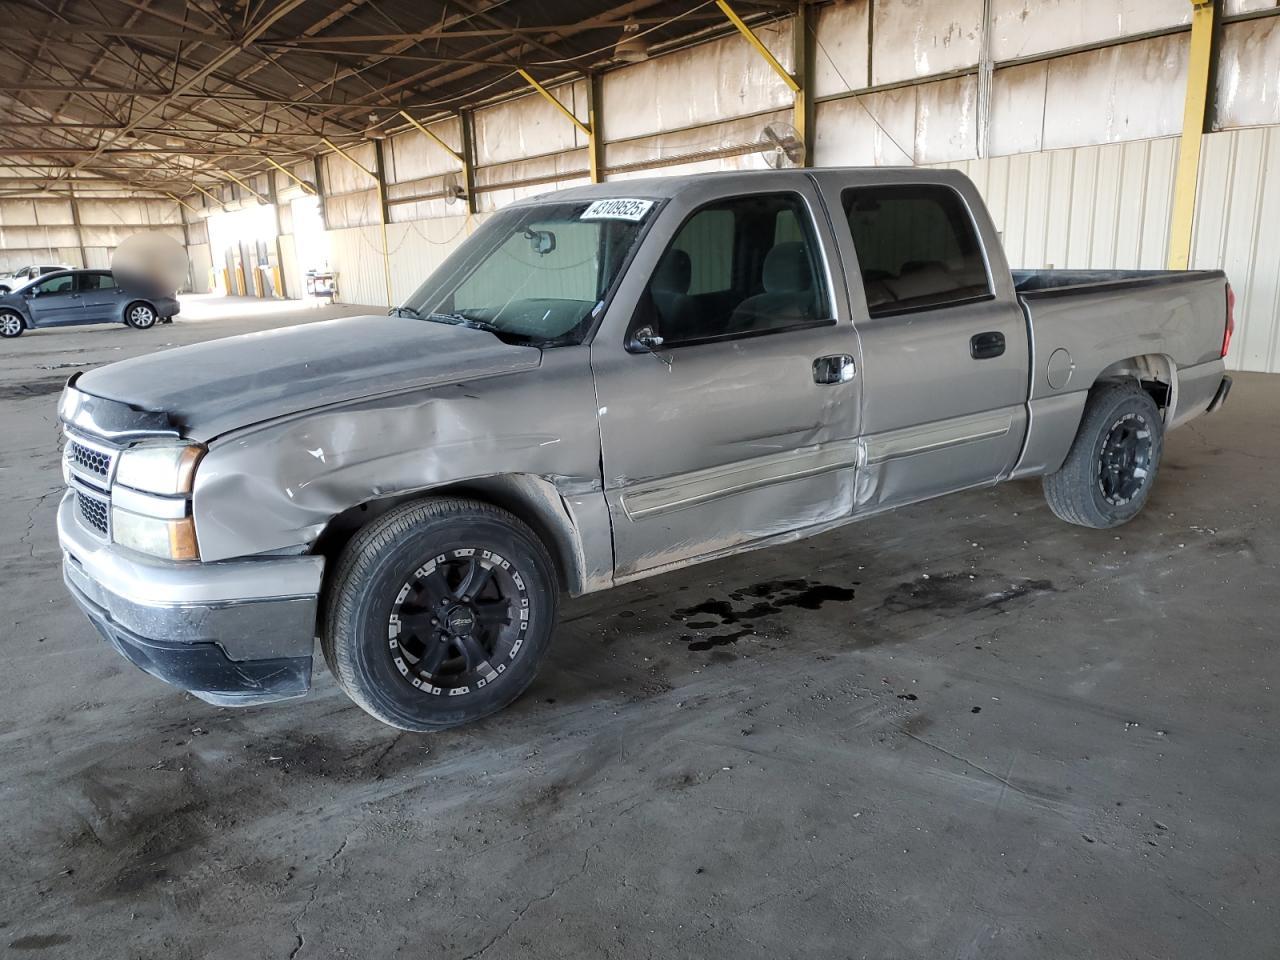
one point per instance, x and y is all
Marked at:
(312, 271)
(242, 245)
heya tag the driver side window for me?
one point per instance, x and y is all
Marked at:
(62, 284)
(741, 266)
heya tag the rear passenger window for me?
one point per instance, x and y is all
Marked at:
(738, 267)
(97, 281)
(917, 247)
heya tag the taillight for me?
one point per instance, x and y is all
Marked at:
(1231, 320)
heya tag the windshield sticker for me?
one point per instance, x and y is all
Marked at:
(617, 209)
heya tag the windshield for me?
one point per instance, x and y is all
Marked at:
(23, 281)
(536, 274)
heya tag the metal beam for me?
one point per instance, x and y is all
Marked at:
(382, 203)
(282, 9)
(595, 138)
(306, 187)
(1199, 68)
(422, 129)
(183, 202)
(749, 35)
(75, 219)
(805, 47)
(318, 166)
(282, 283)
(244, 186)
(469, 164)
(547, 95)
(215, 199)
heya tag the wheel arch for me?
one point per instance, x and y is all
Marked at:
(533, 500)
(124, 313)
(1155, 373)
(26, 320)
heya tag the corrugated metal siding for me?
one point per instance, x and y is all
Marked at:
(1235, 229)
(416, 249)
(201, 264)
(1108, 207)
(1102, 207)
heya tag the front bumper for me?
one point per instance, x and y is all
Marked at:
(232, 633)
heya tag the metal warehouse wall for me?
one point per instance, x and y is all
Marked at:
(80, 233)
(1066, 113)
(1108, 207)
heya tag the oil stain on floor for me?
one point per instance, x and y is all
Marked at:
(751, 603)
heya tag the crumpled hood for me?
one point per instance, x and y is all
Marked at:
(210, 388)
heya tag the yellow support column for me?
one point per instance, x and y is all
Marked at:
(1204, 14)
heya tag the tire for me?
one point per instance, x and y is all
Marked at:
(140, 315)
(11, 324)
(1112, 465)
(418, 673)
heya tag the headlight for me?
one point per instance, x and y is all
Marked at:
(166, 469)
(168, 539)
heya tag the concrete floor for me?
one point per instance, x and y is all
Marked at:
(1015, 738)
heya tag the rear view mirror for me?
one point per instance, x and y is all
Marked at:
(542, 241)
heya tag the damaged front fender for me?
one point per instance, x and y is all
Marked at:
(529, 440)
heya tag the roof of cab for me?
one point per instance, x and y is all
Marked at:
(666, 187)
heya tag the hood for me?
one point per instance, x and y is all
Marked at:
(210, 388)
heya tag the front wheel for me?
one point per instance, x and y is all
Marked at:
(140, 316)
(1109, 473)
(439, 613)
(11, 324)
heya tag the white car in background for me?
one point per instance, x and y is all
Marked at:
(11, 281)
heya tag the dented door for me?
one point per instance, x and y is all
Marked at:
(742, 424)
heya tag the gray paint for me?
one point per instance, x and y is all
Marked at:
(221, 385)
(631, 464)
(77, 307)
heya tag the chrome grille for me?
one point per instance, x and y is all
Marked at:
(93, 512)
(89, 460)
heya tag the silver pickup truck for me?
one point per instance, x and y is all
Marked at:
(600, 385)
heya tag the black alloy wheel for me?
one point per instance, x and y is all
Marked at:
(457, 621)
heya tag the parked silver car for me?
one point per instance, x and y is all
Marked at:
(600, 385)
(72, 297)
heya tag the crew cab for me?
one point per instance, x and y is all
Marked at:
(600, 385)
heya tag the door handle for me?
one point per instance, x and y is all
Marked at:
(984, 346)
(834, 369)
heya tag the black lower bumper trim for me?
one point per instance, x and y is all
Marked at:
(1220, 397)
(204, 669)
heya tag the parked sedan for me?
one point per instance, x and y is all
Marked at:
(80, 296)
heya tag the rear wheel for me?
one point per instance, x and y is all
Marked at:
(1109, 473)
(11, 324)
(140, 316)
(439, 613)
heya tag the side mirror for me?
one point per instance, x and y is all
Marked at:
(646, 339)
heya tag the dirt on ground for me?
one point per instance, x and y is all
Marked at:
(964, 730)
